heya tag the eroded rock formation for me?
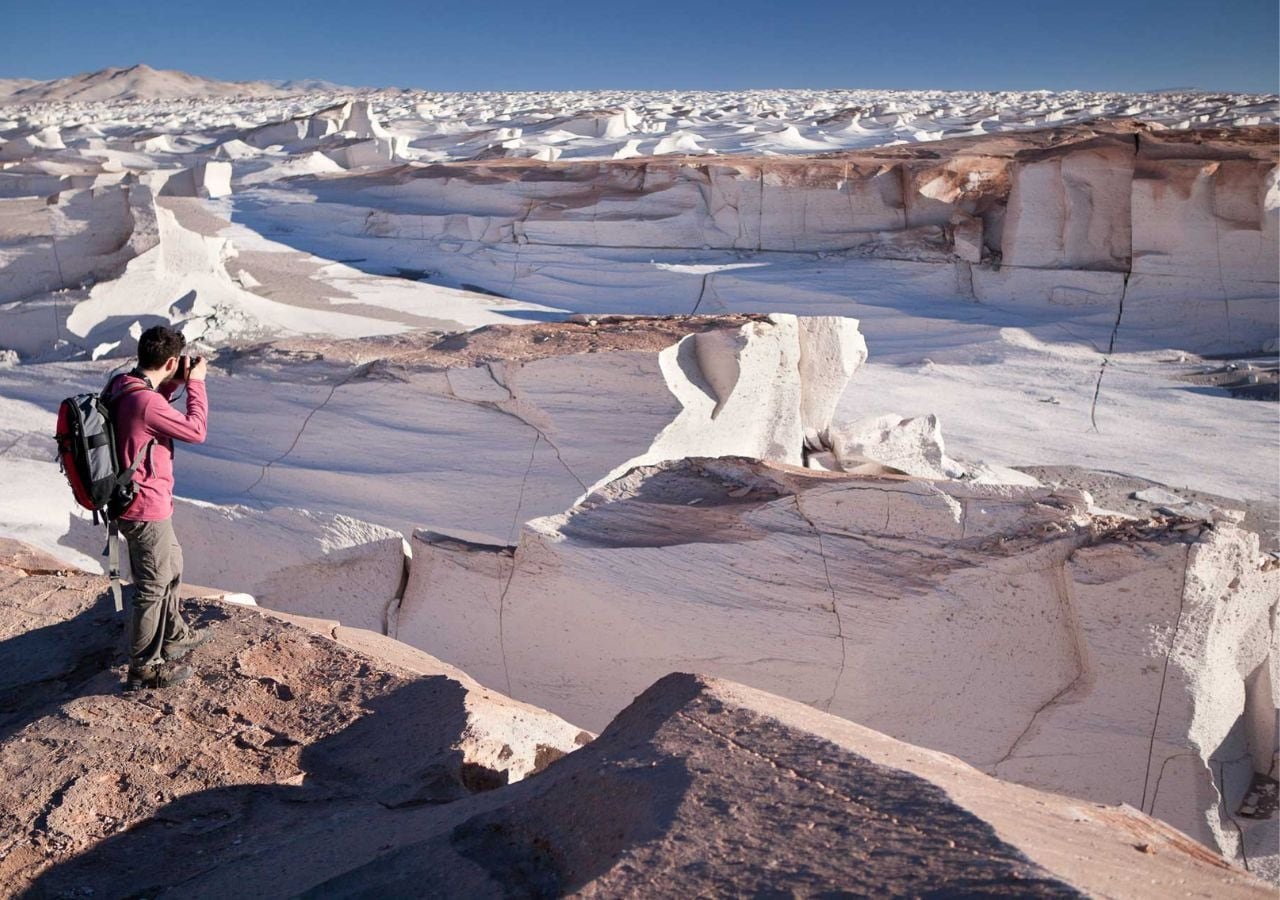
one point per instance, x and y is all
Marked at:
(76, 237)
(1176, 230)
(479, 432)
(1011, 626)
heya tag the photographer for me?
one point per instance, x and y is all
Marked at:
(146, 424)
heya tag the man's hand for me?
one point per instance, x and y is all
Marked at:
(199, 367)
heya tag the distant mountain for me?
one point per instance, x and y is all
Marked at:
(9, 85)
(308, 85)
(141, 82)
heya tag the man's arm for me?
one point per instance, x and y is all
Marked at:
(163, 420)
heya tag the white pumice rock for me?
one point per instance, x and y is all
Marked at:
(207, 180)
(913, 446)
(77, 238)
(993, 622)
(182, 280)
(32, 144)
(308, 563)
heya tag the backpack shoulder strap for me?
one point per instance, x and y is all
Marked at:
(110, 397)
(113, 562)
(127, 475)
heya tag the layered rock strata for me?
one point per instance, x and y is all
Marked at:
(1154, 225)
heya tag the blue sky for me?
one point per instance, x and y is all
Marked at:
(1124, 45)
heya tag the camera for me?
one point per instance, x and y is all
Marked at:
(185, 363)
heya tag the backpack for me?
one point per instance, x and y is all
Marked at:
(87, 454)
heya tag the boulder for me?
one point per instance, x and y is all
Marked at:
(913, 446)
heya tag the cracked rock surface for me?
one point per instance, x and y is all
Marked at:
(1062, 648)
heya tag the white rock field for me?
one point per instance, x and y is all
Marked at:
(853, 397)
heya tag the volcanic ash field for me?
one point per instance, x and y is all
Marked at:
(949, 415)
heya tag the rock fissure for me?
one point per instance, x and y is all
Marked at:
(1071, 620)
(1164, 677)
(835, 602)
(506, 587)
(1111, 345)
(357, 371)
(701, 292)
(498, 407)
(1235, 823)
(391, 612)
(502, 633)
(1052, 701)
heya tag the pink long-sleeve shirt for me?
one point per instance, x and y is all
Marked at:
(141, 415)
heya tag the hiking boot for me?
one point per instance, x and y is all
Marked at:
(175, 650)
(155, 677)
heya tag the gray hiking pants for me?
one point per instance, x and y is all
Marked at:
(155, 561)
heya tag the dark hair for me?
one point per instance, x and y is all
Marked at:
(157, 344)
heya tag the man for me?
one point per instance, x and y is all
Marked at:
(146, 424)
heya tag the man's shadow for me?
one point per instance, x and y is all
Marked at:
(79, 655)
(401, 755)
(52, 663)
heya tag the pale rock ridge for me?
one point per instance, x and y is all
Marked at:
(896, 592)
(182, 280)
(77, 239)
(348, 133)
(1178, 227)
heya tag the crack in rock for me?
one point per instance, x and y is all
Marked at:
(1111, 346)
(835, 602)
(497, 407)
(502, 598)
(358, 370)
(1164, 677)
(1063, 585)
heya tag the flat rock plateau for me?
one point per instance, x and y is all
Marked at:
(620, 493)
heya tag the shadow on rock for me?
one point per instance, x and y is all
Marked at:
(50, 663)
(271, 839)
